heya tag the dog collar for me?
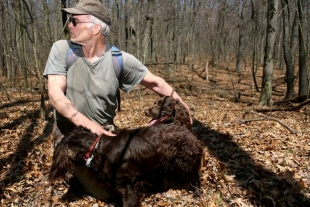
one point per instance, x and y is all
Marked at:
(87, 155)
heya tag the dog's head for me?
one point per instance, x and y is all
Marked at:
(168, 110)
(70, 151)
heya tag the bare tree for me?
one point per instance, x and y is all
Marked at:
(294, 37)
(20, 17)
(131, 30)
(266, 93)
(5, 41)
(241, 39)
(287, 52)
(254, 50)
(47, 23)
(303, 73)
(147, 35)
(28, 8)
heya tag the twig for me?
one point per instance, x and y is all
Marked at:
(268, 118)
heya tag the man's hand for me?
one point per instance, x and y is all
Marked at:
(99, 130)
(189, 112)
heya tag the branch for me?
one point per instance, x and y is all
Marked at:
(269, 118)
(294, 108)
(163, 63)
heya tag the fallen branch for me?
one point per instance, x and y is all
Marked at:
(268, 118)
(294, 108)
(165, 63)
(299, 99)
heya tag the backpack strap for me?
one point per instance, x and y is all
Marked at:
(117, 61)
(72, 55)
(118, 67)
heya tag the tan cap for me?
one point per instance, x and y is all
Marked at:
(93, 7)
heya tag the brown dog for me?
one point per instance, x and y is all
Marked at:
(168, 110)
(136, 161)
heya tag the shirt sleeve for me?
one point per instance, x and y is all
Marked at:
(133, 73)
(56, 62)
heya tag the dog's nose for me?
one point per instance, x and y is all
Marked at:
(146, 112)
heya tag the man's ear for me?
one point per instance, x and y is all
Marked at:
(96, 29)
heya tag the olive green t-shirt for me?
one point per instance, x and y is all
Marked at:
(92, 86)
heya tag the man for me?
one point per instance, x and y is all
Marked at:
(85, 94)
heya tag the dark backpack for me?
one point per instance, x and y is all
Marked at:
(117, 59)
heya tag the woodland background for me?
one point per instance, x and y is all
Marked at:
(241, 65)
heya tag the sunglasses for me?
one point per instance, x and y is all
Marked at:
(75, 21)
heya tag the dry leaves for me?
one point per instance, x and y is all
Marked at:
(256, 163)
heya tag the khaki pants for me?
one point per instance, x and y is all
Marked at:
(90, 182)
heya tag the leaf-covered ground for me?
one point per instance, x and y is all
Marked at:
(250, 159)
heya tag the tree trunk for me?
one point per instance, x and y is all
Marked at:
(41, 82)
(303, 76)
(47, 23)
(20, 12)
(240, 42)
(147, 35)
(294, 37)
(64, 20)
(286, 48)
(37, 68)
(254, 52)
(131, 39)
(6, 42)
(266, 93)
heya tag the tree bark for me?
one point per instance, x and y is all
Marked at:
(147, 35)
(20, 13)
(294, 37)
(240, 42)
(131, 39)
(47, 23)
(254, 52)
(41, 83)
(266, 93)
(6, 37)
(303, 73)
(287, 52)
(64, 20)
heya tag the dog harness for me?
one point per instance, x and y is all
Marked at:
(89, 156)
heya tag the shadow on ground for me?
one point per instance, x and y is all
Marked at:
(261, 186)
(17, 160)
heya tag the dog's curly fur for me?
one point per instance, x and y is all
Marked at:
(136, 161)
(173, 109)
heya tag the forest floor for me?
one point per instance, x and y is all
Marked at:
(251, 158)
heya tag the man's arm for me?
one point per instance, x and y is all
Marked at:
(161, 87)
(56, 92)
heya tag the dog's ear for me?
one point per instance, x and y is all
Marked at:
(182, 116)
(62, 162)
